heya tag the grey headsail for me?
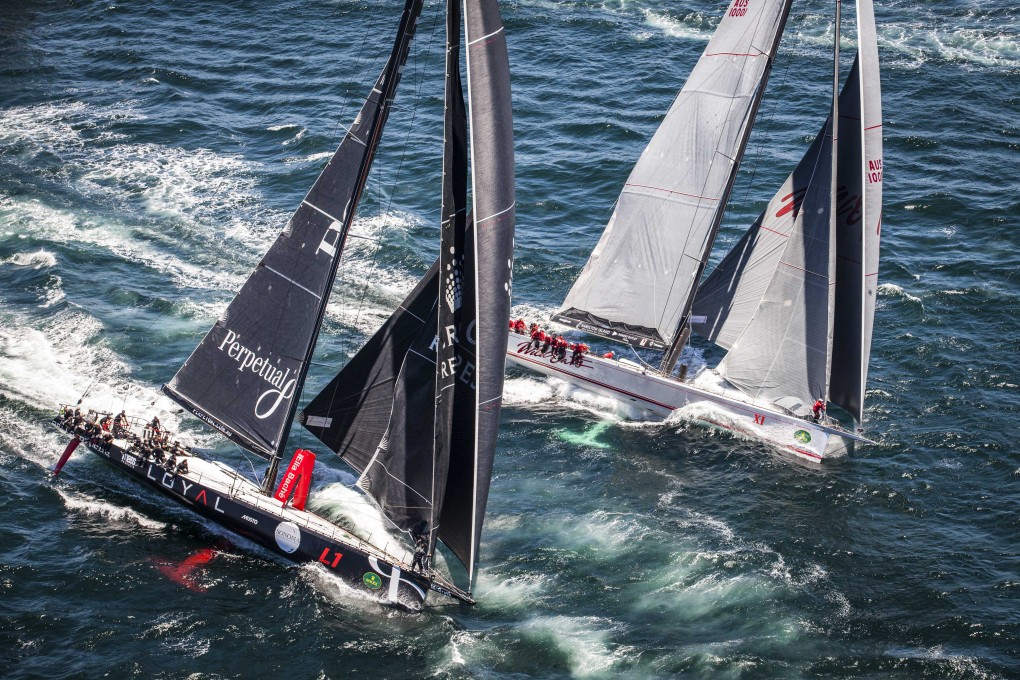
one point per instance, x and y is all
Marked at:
(769, 301)
(860, 221)
(641, 276)
(729, 296)
(244, 378)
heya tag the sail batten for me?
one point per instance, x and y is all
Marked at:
(643, 272)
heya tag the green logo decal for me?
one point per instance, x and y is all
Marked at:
(372, 580)
(803, 436)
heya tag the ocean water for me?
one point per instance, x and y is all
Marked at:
(149, 153)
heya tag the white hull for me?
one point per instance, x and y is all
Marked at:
(658, 397)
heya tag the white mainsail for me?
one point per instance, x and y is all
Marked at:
(641, 276)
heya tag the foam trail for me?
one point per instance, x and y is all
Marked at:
(356, 512)
(96, 507)
(589, 437)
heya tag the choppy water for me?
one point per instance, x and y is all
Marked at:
(150, 151)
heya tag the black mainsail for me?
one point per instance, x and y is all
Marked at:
(450, 382)
(245, 377)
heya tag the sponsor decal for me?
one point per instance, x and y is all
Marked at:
(553, 357)
(372, 580)
(212, 423)
(395, 579)
(330, 558)
(283, 385)
(803, 436)
(456, 366)
(739, 8)
(454, 283)
(793, 205)
(874, 171)
(288, 536)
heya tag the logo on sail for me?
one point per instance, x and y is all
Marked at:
(283, 385)
(455, 283)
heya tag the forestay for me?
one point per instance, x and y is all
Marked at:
(641, 276)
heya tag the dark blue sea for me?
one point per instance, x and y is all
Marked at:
(150, 152)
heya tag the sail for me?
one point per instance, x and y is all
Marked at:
(453, 320)
(244, 378)
(640, 278)
(490, 266)
(407, 473)
(350, 415)
(405, 470)
(730, 294)
(783, 349)
(860, 221)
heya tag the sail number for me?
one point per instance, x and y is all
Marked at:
(739, 8)
(875, 171)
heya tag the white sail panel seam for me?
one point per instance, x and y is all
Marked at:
(495, 215)
(292, 281)
(319, 210)
(484, 37)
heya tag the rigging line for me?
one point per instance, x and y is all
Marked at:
(639, 357)
(254, 473)
(761, 143)
(347, 99)
(417, 98)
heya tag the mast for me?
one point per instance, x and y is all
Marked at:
(377, 409)
(683, 330)
(833, 192)
(386, 87)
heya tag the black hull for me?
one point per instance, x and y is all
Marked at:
(381, 578)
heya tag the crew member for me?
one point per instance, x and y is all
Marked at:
(120, 424)
(421, 547)
(818, 409)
